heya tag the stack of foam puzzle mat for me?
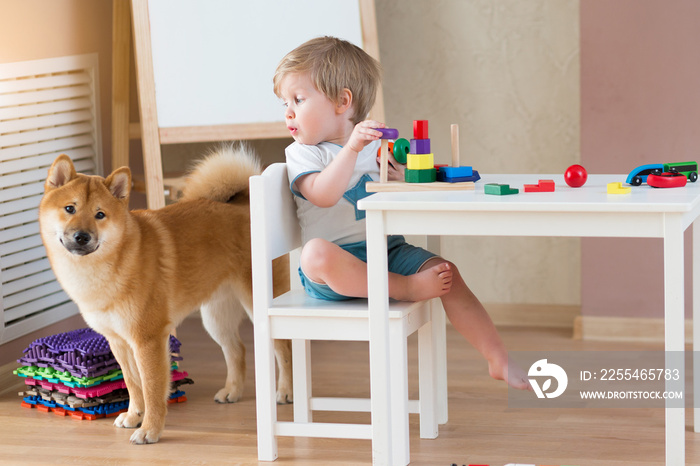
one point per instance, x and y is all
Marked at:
(75, 374)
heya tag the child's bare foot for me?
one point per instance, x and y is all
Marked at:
(513, 374)
(430, 283)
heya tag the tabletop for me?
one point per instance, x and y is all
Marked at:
(592, 197)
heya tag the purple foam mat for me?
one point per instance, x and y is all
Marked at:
(82, 352)
(175, 345)
(84, 340)
(79, 361)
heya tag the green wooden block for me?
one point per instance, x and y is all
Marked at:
(499, 189)
(420, 176)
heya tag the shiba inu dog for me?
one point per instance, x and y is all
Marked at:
(135, 275)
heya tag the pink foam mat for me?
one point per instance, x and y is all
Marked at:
(92, 392)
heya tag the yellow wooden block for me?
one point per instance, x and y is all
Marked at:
(420, 161)
(617, 188)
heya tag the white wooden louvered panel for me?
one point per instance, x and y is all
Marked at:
(43, 109)
(20, 218)
(10, 234)
(48, 134)
(77, 116)
(13, 87)
(28, 282)
(20, 205)
(22, 257)
(47, 108)
(23, 298)
(7, 194)
(25, 242)
(60, 146)
(38, 175)
(10, 166)
(33, 307)
(49, 95)
(28, 270)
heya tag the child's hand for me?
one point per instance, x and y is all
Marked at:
(363, 134)
(395, 170)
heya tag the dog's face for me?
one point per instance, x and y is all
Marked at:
(83, 213)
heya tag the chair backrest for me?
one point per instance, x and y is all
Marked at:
(272, 203)
(274, 226)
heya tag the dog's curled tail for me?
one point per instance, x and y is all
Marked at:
(223, 174)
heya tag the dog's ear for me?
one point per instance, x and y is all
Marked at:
(119, 183)
(60, 173)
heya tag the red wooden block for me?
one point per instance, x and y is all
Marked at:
(543, 186)
(420, 129)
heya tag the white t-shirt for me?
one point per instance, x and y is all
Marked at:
(343, 223)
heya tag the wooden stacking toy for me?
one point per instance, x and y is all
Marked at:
(420, 173)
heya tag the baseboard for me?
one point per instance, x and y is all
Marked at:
(632, 329)
(534, 315)
(594, 328)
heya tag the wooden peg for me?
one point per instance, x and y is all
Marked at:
(384, 162)
(454, 132)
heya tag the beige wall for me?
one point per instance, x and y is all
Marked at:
(508, 73)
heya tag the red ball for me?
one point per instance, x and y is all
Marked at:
(575, 176)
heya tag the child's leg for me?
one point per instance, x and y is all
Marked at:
(327, 263)
(471, 320)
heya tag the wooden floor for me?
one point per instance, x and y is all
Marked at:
(481, 428)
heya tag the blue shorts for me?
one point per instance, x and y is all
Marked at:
(404, 259)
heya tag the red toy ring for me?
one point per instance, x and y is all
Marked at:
(667, 180)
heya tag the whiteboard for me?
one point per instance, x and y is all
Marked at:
(213, 60)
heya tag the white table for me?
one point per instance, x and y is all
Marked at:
(575, 212)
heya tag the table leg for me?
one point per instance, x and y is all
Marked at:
(378, 290)
(674, 332)
(696, 324)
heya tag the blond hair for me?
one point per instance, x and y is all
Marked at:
(333, 65)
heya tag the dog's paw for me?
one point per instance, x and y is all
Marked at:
(128, 420)
(144, 436)
(285, 389)
(229, 394)
(285, 395)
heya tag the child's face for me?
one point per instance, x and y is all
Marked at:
(311, 117)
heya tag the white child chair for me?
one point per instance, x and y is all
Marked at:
(274, 232)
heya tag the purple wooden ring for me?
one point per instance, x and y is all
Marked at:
(388, 133)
